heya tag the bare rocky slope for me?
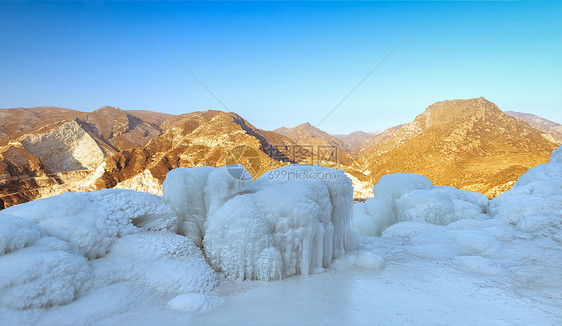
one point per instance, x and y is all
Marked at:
(153, 117)
(320, 142)
(548, 127)
(307, 135)
(189, 140)
(15, 122)
(208, 138)
(47, 150)
(355, 140)
(469, 144)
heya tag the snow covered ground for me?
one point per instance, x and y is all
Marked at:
(421, 255)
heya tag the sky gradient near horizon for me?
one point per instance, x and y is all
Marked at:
(283, 63)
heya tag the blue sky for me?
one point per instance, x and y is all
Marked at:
(283, 63)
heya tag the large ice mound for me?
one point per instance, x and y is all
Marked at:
(92, 221)
(270, 229)
(534, 204)
(162, 261)
(195, 192)
(468, 243)
(36, 270)
(411, 197)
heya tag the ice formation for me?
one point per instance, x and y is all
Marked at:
(534, 204)
(194, 302)
(281, 226)
(195, 192)
(162, 261)
(17, 232)
(467, 237)
(36, 270)
(410, 197)
(93, 221)
(45, 246)
(362, 258)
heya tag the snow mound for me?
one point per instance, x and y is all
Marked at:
(192, 192)
(92, 221)
(411, 197)
(282, 227)
(194, 302)
(534, 204)
(437, 242)
(543, 172)
(162, 261)
(38, 271)
(17, 232)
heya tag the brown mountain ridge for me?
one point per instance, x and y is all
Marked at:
(469, 144)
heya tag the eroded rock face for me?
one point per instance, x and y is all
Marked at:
(65, 148)
(18, 121)
(144, 181)
(189, 140)
(46, 151)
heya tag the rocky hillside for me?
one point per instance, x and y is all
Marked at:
(208, 138)
(194, 139)
(119, 129)
(320, 142)
(354, 141)
(156, 118)
(15, 122)
(549, 127)
(47, 150)
(307, 135)
(469, 144)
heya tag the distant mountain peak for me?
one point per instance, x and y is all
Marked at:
(353, 141)
(469, 144)
(108, 107)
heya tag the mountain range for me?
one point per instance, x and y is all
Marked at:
(470, 144)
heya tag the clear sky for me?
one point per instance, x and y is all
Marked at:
(283, 63)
